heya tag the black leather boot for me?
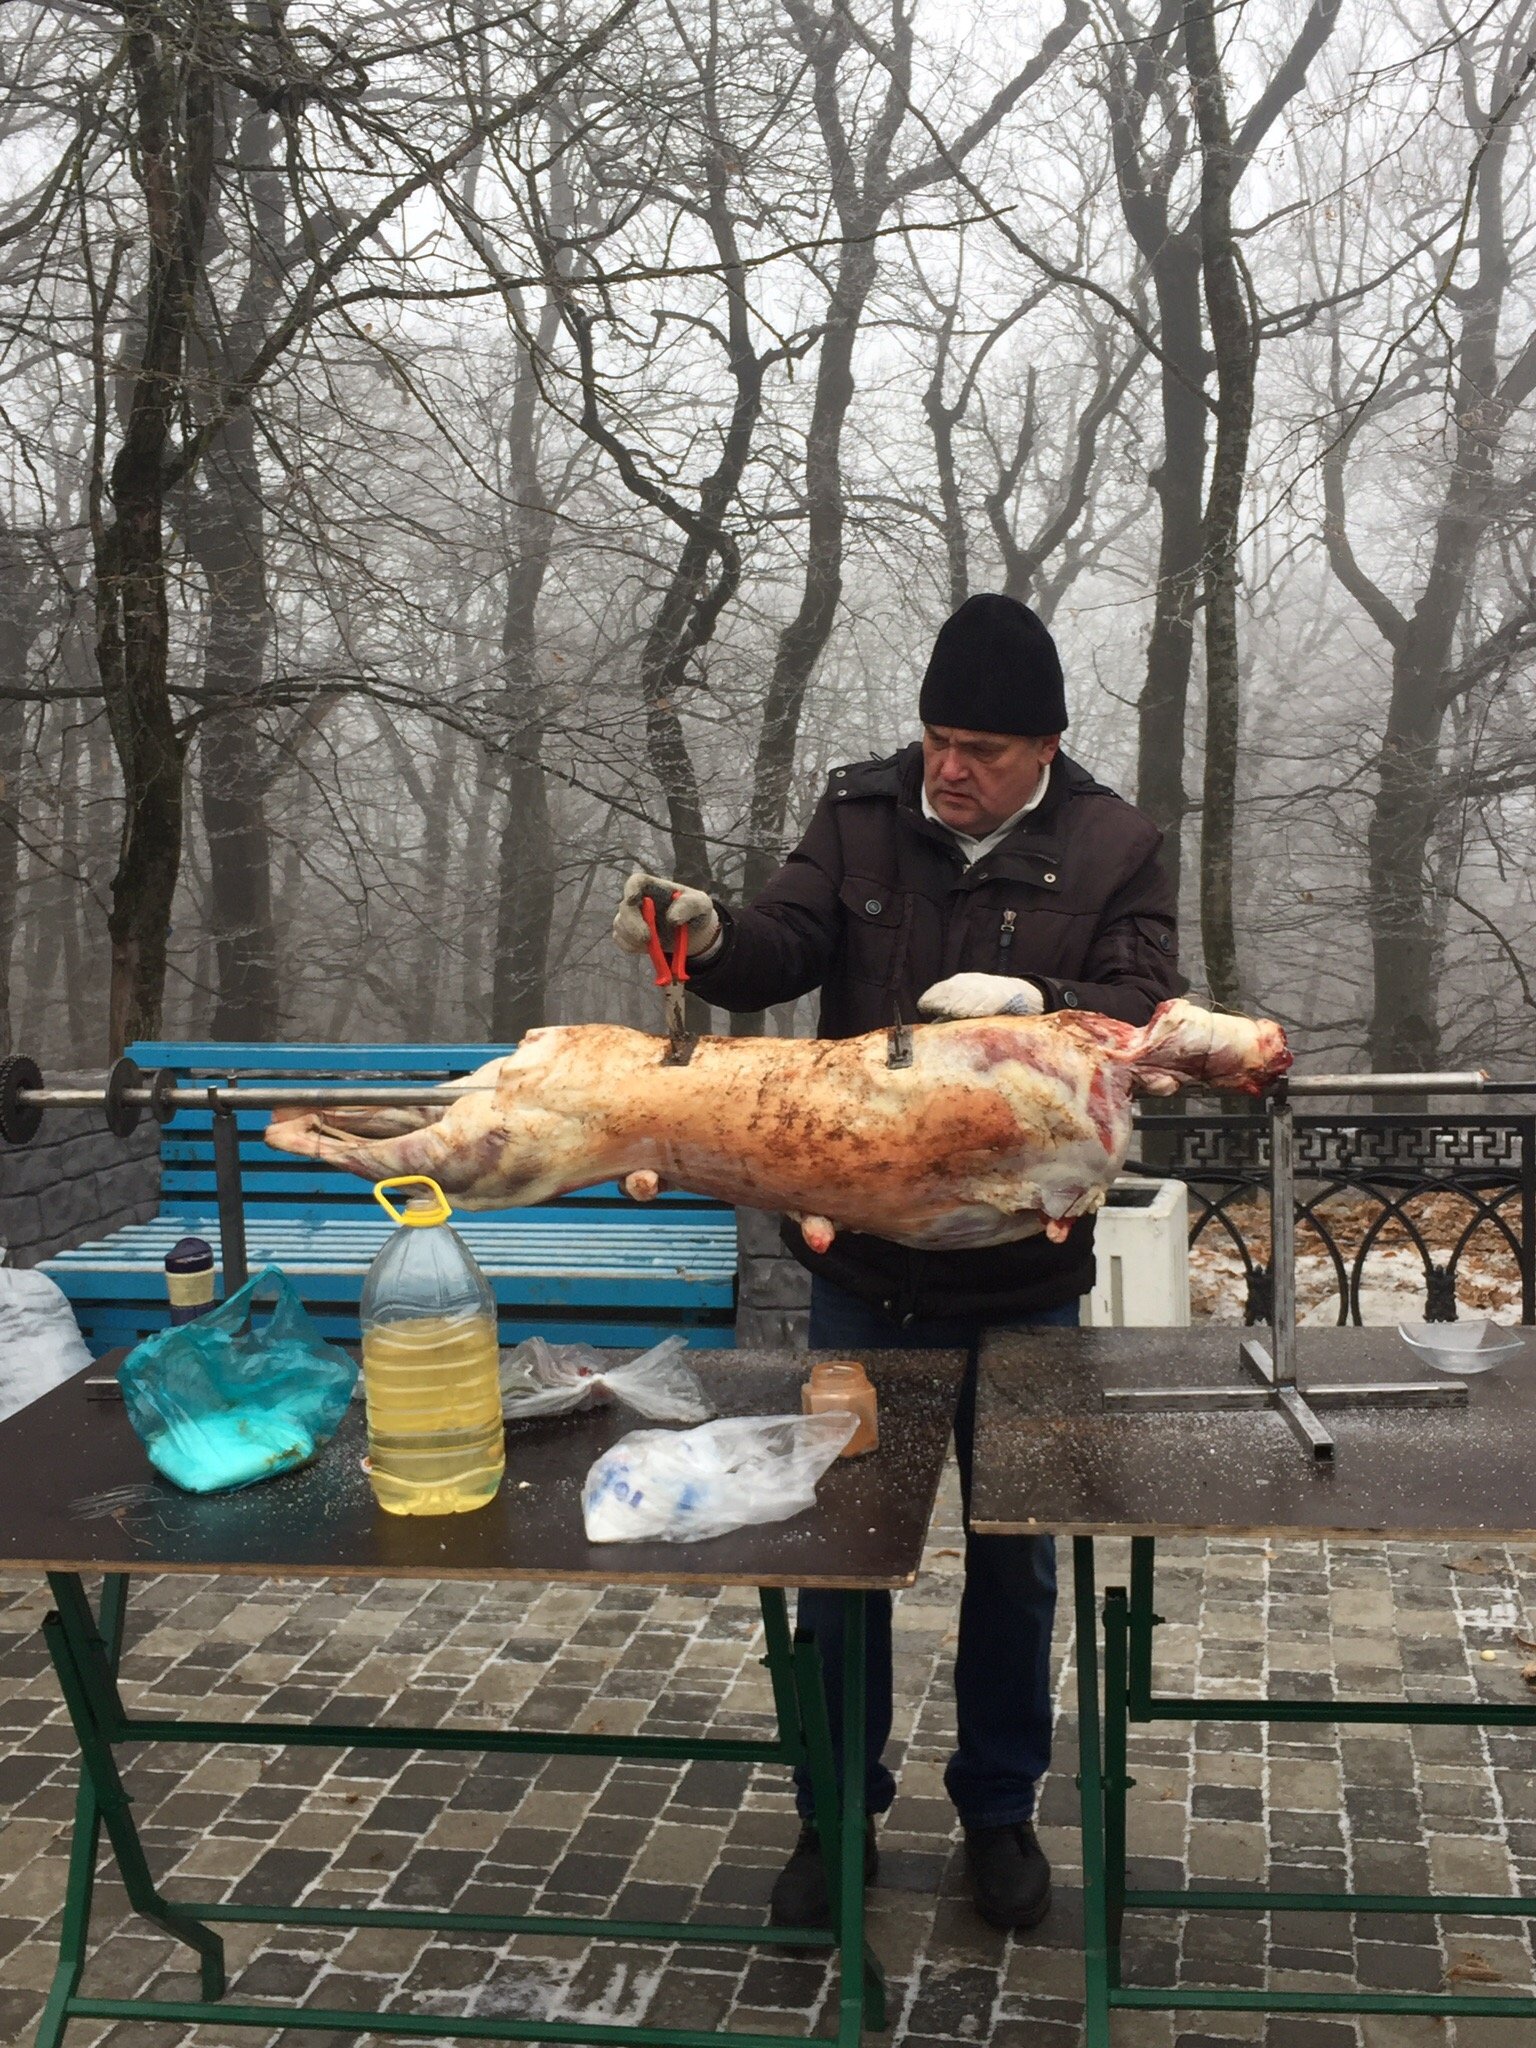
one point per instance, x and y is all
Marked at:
(800, 1889)
(1010, 1878)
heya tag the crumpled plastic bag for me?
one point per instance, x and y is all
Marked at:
(40, 1341)
(555, 1379)
(221, 1402)
(683, 1486)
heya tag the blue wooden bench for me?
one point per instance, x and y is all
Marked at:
(591, 1268)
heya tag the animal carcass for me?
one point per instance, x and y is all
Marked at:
(999, 1127)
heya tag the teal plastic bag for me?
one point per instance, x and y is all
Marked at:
(222, 1401)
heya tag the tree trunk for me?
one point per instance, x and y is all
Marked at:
(226, 527)
(802, 640)
(524, 896)
(174, 171)
(1404, 1029)
(941, 424)
(18, 629)
(1233, 343)
(424, 999)
(1163, 707)
(132, 634)
(525, 867)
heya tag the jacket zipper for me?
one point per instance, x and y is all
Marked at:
(1005, 939)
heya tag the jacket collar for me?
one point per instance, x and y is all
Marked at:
(1031, 849)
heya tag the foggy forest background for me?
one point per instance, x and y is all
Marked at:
(454, 453)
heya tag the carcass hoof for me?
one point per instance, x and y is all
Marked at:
(642, 1186)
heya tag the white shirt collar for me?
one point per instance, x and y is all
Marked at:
(975, 849)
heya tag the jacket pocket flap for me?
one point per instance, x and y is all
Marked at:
(1158, 932)
(871, 902)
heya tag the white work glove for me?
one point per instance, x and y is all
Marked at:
(982, 995)
(691, 907)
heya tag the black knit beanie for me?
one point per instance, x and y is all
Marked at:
(994, 668)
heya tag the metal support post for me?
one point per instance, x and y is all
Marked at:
(1282, 1236)
(226, 1168)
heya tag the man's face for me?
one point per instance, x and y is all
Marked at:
(974, 780)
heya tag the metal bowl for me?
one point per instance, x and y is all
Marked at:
(1461, 1348)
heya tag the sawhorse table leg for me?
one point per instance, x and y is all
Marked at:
(86, 1649)
(1128, 1622)
(1090, 1787)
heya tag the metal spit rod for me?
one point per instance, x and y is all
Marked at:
(212, 1095)
(1475, 1082)
(215, 1097)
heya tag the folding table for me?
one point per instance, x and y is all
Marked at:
(866, 1532)
(1053, 1456)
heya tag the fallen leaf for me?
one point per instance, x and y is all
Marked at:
(1472, 1967)
(1476, 1563)
(1528, 1673)
(956, 1553)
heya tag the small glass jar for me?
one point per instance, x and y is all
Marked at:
(189, 1279)
(842, 1387)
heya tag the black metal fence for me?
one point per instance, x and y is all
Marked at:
(1451, 1189)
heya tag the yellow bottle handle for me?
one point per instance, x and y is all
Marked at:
(417, 1219)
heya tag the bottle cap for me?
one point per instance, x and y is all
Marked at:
(421, 1212)
(189, 1255)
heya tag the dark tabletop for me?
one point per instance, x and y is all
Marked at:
(1049, 1456)
(61, 1455)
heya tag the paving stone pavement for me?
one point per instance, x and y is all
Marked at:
(1385, 1809)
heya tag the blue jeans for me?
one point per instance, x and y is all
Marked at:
(1003, 1662)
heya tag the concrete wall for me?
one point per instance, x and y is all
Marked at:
(773, 1294)
(75, 1182)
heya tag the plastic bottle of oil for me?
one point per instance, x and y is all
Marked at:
(435, 1439)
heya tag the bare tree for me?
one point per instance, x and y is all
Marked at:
(1488, 380)
(1150, 133)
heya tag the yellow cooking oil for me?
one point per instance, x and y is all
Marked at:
(435, 1442)
(430, 1364)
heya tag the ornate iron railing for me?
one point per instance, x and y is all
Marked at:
(1444, 1186)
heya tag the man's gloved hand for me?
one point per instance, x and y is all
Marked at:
(692, 908)
(982, 995)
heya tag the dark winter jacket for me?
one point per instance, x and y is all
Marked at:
(876, 904)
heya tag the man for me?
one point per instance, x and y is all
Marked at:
(980, 872)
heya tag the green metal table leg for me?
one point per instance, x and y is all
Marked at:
(820, 1758)
(86, 1670)
(84, 1847)
(853, 1958)
(834, 1816)
(780, 1664)
(1090, 1786)
(1142, 1622)
(1116, 1782)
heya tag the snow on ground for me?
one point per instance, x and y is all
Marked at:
(1392, 1289)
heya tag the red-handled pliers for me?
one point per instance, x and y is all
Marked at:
(671, 975)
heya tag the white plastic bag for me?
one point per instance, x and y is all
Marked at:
(682, 1486)
(553, 1379)
(40, 1341)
